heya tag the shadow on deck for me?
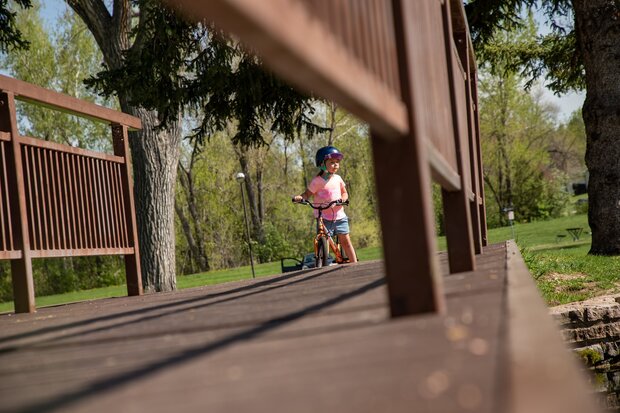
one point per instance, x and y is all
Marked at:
(299, 342)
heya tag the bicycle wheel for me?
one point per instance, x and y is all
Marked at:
(322, 253)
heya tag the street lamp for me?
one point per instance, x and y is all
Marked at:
(510, 214)
(240, 177)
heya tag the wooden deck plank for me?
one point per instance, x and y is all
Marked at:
(298, 342)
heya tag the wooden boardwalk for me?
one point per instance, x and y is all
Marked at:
(309, 341)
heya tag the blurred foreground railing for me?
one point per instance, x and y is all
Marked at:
(407, 68)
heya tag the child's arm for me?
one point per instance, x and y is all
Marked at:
(307, 194)
(343, 192)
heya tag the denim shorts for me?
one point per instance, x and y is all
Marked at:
(340, 226)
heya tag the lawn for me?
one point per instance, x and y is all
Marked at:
(561, 266)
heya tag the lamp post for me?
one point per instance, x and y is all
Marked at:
(510, 214)
(240, 177)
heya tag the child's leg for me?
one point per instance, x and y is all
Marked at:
(345, 241)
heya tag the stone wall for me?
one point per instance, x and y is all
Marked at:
(592, 329)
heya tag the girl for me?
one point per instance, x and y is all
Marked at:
(327, 186)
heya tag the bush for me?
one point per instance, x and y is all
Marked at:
(62, 275)
(365, 234)
(581, 206)
(276, 246)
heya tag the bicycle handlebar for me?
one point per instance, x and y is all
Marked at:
(321, 207)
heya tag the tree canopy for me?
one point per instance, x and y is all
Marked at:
(554, 56)
(10, 36)
(582, 50)
(175, 67)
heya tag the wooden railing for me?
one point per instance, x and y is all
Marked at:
(407, 68)
(61, 201)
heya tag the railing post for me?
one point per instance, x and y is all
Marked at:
(21, 268)
(480, 173)
(457, 214)
(404, 191)
(464, 48)
(133, 272)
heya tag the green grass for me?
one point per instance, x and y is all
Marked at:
(567, 274)
(563, 270)
(562, 267)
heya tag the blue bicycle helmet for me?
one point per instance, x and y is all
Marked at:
(327, 152)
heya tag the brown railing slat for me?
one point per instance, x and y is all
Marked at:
(26, 162)
(36, 198)
(366, 35)
(103, 205)
(111, 208)
(7, 232)
(67, 211)
(94, 203)
(384, 52)
(116, 205)
(121, 205)
(84, 199)
(41, 188)
(84, 211)
(76, 223)
(59, 201)
(53, 213)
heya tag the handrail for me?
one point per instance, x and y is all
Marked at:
(35, 94)
(311, 57)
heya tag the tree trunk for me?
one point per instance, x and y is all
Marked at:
(195, 237)
(189, 237)
(598, 32)
(155, 154)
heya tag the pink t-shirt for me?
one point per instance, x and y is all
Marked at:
(325, 192)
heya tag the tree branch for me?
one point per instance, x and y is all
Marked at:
(98, 20)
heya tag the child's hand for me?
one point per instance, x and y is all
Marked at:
(297, 198)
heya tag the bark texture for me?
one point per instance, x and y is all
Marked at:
(155, 154)
(598, 29)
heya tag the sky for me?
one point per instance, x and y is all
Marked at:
(567, 104)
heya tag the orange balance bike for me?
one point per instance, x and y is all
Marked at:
(323, 241)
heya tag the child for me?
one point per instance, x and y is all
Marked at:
(327, 187)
